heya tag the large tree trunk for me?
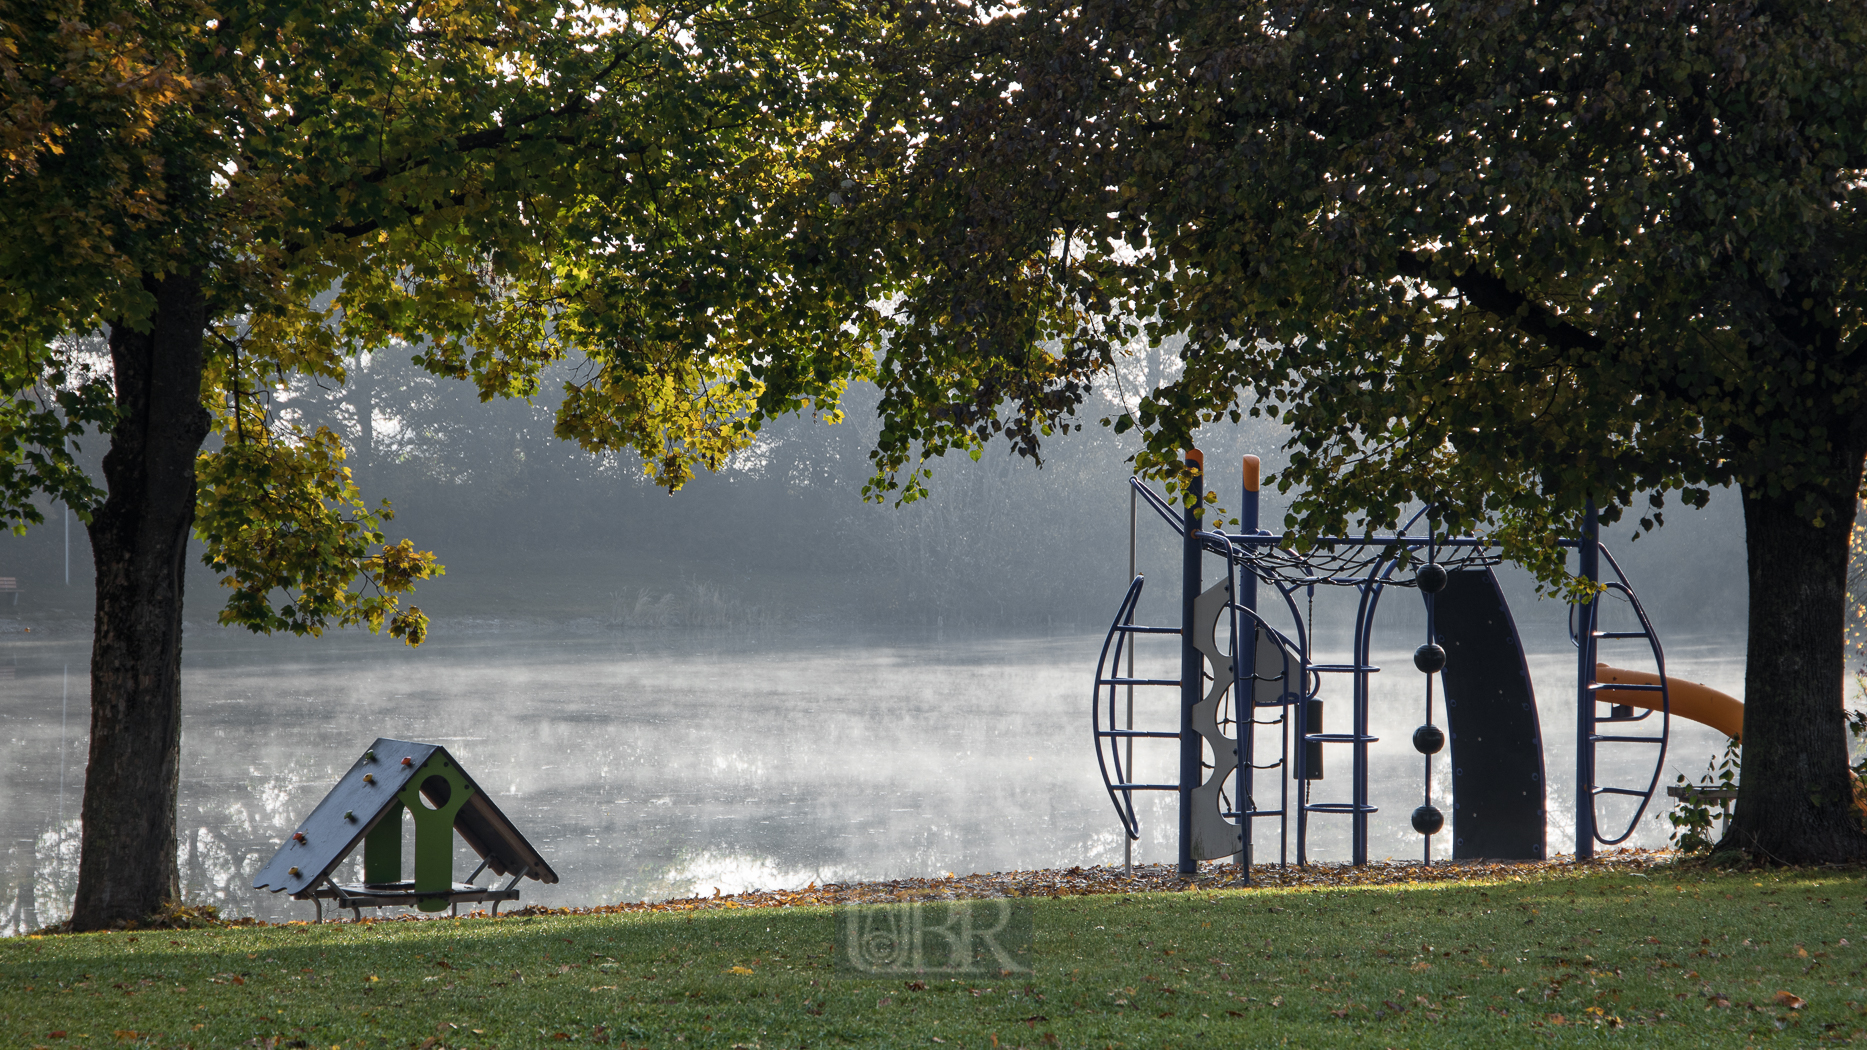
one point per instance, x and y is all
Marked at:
(139, 540)
(1795, 802)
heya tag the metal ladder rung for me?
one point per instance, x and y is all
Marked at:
(1620, 791)
(1628, 740)
(1130, 628)
(1253, 814)
(1621, 634)
(1338, 738)
(1632, 687)
(1340, 668)
(1155, 733)
(1340, 807)
(1144, 787)
(1137, 681)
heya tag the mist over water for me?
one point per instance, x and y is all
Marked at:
(657, 768)
(761, 681)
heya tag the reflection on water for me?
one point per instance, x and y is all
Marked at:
(657, 763)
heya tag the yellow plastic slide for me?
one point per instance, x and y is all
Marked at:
(1700, 703)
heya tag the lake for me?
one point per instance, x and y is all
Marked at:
(659, 763)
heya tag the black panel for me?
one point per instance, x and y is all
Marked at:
(1309, 720)
(1498, 808)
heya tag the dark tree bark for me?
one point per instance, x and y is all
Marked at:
(1795, 801)
(139, 539)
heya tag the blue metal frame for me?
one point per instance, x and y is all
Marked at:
(1371, 580)
(1120, 786)
(1646, 633)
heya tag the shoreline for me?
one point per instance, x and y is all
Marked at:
(1106, 880)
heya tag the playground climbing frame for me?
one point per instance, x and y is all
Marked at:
(1250, 739)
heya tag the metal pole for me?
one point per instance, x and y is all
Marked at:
(1245, 671)
(1364, 659)
(1127, 844)
(67, 544)
(1191, 663)
(1432, 637)
(1590, 569)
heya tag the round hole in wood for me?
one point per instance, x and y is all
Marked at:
(435, 791)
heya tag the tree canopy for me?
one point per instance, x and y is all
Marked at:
(495, 186)
(1502, 259)
(239, 193)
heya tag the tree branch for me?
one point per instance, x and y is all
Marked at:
(1492, 295)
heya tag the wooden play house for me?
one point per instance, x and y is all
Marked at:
(367, 807)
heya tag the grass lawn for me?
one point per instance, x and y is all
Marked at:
(1671, 957)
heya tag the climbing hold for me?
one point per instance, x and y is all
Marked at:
(368, 779)
(408, 761)
(292, 871)
(350, 816)
(1427, 740)
(1427, 820)
(298, 836)
(1429, 658)
(1431, 577)
(369, 756)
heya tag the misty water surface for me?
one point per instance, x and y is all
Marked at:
(658, 763)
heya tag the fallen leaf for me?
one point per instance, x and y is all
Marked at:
(740, 969)
(1277, 1000)
(1791, 1000)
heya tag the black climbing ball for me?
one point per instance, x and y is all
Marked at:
(1427, 740)
(1431, 578)
(1429, 658)
(1427, 820)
